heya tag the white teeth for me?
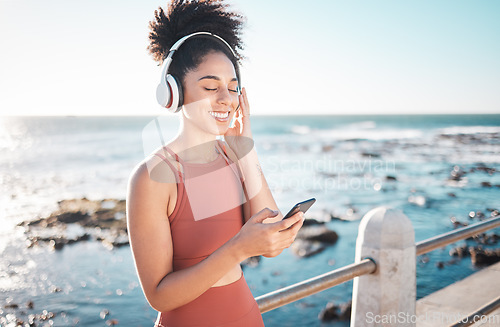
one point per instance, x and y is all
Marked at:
(219, 115)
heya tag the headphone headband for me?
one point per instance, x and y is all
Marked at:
(165, 94)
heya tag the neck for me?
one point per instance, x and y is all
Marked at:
(194, 144)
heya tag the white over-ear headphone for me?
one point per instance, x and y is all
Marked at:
(169, 91)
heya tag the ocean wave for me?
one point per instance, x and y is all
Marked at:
(368, 124)
(456, 130)
(374, 134)
(300, 129)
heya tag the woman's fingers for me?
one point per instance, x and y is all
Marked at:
(285, 224)
(244, 105)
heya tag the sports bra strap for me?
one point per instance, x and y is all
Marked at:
(228, 160)
(181, 175)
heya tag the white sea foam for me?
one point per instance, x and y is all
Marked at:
(372, 134)
(469, 130)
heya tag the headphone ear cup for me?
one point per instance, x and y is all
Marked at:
(181, 95)
(163, 93)
(175, 88)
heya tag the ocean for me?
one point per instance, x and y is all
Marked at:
(350, 164)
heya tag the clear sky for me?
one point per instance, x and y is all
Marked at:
(67, 57)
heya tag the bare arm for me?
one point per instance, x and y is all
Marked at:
(151, 243)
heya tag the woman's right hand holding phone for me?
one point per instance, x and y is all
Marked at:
(267, 239)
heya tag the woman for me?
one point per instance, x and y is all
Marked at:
(199, 206)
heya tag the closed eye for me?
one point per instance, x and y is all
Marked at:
(210, 89)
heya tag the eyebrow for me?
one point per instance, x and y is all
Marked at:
(217, 78)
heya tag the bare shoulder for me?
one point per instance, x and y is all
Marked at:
(153, 170)
(151, 182)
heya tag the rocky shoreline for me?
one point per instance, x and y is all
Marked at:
(80, 220)
(104, 220)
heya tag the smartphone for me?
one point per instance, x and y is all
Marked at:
(301, 206)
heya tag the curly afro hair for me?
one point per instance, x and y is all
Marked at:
(184, 17)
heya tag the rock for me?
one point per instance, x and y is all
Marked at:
(390, 178)
(336, 312)
(311, 222)
(11, 306)
(318, 233)
(313, 239)
(424, 258)
(107, 214)
(457, 223)
(327, 148)
(459, 251)
(112, 322)
(484, 257)
(483, 168)
(485, 184)
(456, 174)
(440, 265)
(486, 239)
(104, 313)
(304, 249)
(251, 262)
(370, 154)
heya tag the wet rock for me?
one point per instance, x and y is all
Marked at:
(311, 222)
(483, 168)
(30, 305)
(485, 184)
(327, 148)
(319, 233)
(11, 306)
(390, 178)
(313, 239)
(460, 251)
(486, 239)
(251, 262)
(304, 249)
(104, 313)
(440, 264)
(370, 154)
(112, 322)
(484, 257)
(493, 212)
(424, 258)
(457, 173)
(333, 311)
(107, 214)
(457, 223)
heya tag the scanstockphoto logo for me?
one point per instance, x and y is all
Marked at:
(325, 173)
(432, 317)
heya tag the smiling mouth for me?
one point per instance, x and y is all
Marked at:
(218, 115)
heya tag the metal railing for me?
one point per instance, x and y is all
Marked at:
(314, 285)
(278, 298)
(456, 235)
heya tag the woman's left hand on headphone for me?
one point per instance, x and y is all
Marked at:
(239, 136)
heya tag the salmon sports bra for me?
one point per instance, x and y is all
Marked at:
(209, 207)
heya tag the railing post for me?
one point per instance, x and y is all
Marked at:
(386, 297)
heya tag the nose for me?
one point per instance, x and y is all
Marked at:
(224, 97)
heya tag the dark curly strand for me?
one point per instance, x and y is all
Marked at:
(184, 17)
